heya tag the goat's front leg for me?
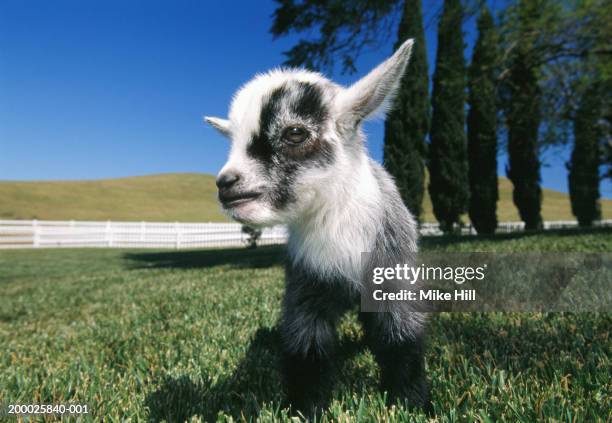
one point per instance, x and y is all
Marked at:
(397, 342)
(308, 330)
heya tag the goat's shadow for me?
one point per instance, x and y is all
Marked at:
(257, 258)
(255, 382)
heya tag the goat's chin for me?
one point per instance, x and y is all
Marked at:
(254, 213)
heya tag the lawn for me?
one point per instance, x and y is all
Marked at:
(180, 335)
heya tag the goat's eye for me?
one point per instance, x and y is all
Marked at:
(295, 134)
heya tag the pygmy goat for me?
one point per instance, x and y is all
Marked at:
(298, 157)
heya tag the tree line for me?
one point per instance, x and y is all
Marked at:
(540, 75)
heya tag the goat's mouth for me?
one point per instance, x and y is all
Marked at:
(230, 200)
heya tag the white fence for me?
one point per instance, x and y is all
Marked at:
(507, 227)
(53, 234)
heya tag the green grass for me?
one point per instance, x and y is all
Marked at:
(184, 197)
(165, 335)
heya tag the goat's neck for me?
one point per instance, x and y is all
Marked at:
(343, 222)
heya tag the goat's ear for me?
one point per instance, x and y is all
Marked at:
(374, 93)
(221, 125)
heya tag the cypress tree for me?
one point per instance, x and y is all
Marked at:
(448, 186)
(523, 120)
(407, 124)
(584, 165)
(482, 128)
(523, 116)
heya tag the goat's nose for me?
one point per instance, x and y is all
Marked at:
(227, 179)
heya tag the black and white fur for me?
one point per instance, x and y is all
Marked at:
(337, 203)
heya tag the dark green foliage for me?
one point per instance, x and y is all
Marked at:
(523, 120)
(569, 41)
(482, 128)
(407, 124)
(523, 111)
(584, 165)
(345, 28)
(562, 47)
(448, 186)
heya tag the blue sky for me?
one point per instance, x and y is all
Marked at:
(92, 89)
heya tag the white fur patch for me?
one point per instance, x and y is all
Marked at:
(342, 223)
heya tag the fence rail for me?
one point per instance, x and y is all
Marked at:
(508, 227)
(53, 234)
(57, 234)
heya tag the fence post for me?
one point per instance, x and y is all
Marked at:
(178, 235)
(36, 235)
(109, 234)
(142, 231)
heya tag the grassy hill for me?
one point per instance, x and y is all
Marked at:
(183, 197)
(186, 197)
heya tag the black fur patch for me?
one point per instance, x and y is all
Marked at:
(310, 103)
(283, 193)
(260, 147)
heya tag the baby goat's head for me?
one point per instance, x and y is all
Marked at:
(294, 135)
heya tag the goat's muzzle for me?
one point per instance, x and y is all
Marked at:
(231, 198)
